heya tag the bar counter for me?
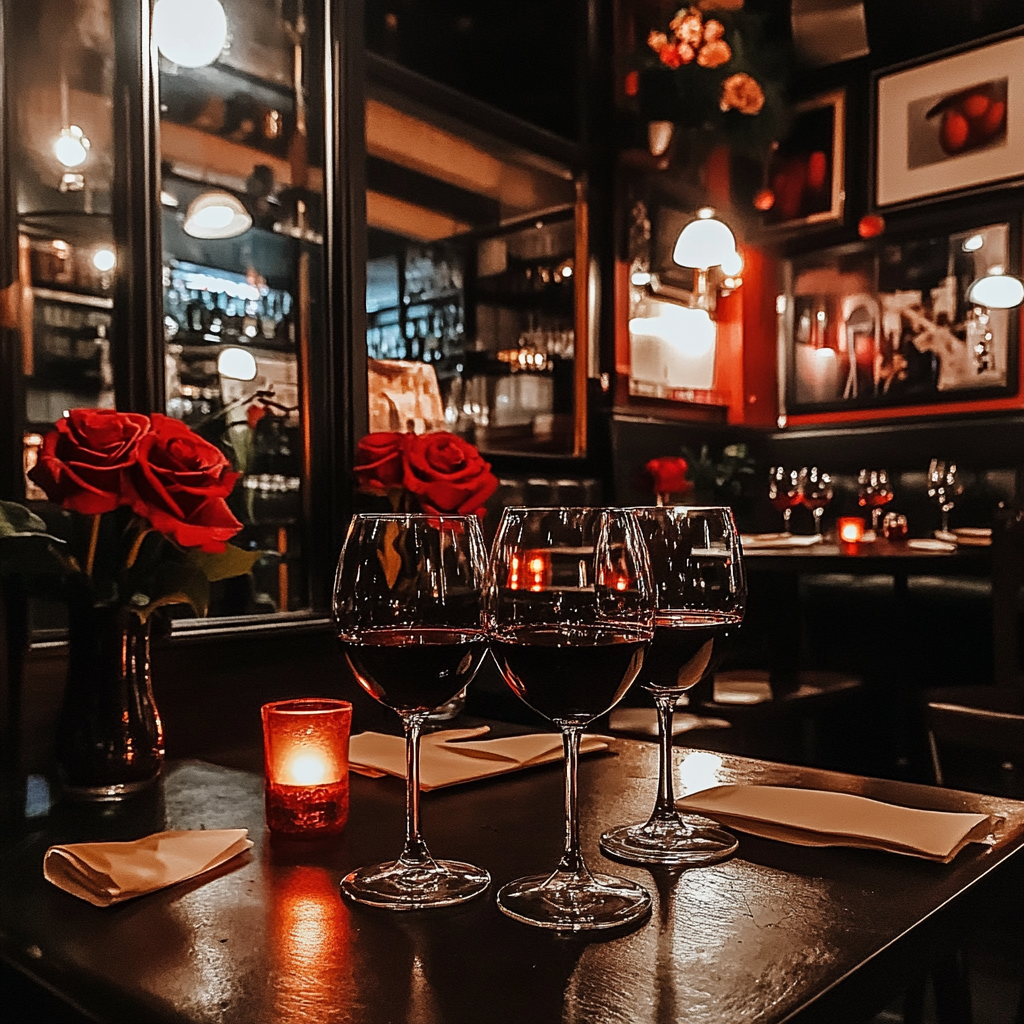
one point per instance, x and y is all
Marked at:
(777, 933)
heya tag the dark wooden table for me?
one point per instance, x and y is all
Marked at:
(779, 933)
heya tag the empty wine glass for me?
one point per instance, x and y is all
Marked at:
(701, 593)
(784, 492)
(407, 607)
(570, 611)
(816, 493)
(874, 492)
(944, 487)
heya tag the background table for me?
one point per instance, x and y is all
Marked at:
(779, 933)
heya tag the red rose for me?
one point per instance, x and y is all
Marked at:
(179, 483)
(82, 463)
(379, 461)
(447, 474)
(668, 475)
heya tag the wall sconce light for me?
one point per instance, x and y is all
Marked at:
(704, 243)
(996, 290)
(216, 215)
(191, 33)
(236, 364)
(104, 260)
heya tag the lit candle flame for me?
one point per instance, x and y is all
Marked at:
(307, 770)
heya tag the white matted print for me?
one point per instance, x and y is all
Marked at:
(951, 125)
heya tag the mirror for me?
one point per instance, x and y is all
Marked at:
(475, 311)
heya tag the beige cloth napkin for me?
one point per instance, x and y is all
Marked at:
(811, 817)
(107, 873)
(779, 540)
(457, 755)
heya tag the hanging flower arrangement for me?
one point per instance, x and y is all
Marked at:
(712, 72)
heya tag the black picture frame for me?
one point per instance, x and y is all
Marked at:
(900, 295)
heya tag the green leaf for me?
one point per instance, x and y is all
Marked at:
(172, 583)
(18, 521)
(223, 565)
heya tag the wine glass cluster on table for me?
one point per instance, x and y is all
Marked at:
(574, 604)
(944, 487)
(809, 486)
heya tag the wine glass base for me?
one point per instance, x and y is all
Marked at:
(571, 903)
(397, 886)
(687, 842)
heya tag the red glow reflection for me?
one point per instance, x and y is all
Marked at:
(310, 940)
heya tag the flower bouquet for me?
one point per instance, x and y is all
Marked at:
(711, 72)
(143, 525)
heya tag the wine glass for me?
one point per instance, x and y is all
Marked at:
(874, 492)
(784, 492)
(701, 595)
(407, 607)
(816, 493)
(944, 487)
(570, 611)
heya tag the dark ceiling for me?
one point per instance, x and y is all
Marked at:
(523, 55)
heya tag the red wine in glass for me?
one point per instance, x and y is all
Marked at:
(569, 675)
(415, 670)
(697, 567)
(407, 605)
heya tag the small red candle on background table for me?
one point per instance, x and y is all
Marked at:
(305, 752)
(851, 529)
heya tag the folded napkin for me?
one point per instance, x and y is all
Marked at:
(811, 817)
(455, 755)
(779, 540)
(927, 544)
(107, 873)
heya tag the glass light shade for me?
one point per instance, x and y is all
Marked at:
(71, 147)
(191, 33)
(237, 364)
(104, 260)
(703, 243)
(216, 215)
(996, 291)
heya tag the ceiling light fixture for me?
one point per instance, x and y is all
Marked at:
(104, 260)
(191, 33)
(216, 215)
(236, 364)
(71, 146)
(996, 290)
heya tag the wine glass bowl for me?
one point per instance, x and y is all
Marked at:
(944, 487)
(569, 606)
(407, 607)
(784, 492)
(874, 492)
(816, 493)
(700, 587)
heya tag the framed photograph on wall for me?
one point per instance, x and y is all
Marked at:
(806, 172)
(887, 324)
(951, 125)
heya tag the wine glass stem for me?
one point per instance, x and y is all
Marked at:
(572, 859)
(787, 514)
(818, 514)
(415, 851)
(665, 807)
(875, 514)
(945, 519)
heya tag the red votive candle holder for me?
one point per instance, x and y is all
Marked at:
(851, 529)
(305, 757)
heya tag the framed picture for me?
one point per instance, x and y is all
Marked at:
(950, 125)
(887, 323)
(806, 171)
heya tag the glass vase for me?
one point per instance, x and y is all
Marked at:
(110, 741)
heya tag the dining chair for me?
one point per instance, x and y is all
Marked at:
(989, 718)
